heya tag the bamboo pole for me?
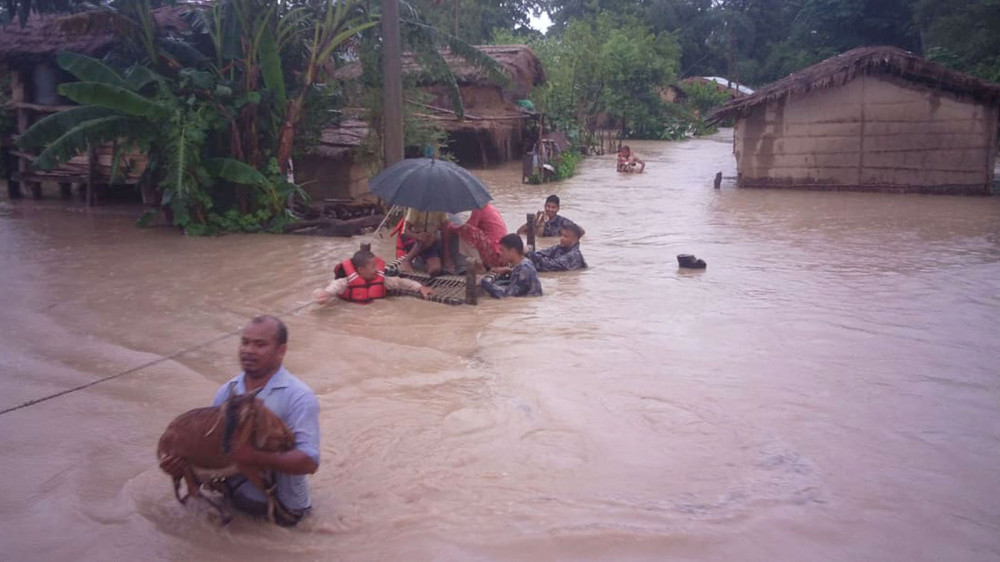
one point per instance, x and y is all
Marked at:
(392, 88)
(532, 219)
(471, 288)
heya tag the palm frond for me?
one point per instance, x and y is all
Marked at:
(54, 126)
(81, 137)
(437, 71)
(495, 71)
(113, 97)
(271, 68)
(181, 51)
(89, 69)
(234, 171)
(138, 77)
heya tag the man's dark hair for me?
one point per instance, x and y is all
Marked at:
(573, 227)
(282, 331)
(513, 242)
(361, 258)
(552, 199)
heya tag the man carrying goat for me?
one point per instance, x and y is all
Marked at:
(262, 348)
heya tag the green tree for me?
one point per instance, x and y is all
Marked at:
(608, 65)
(962, 34)
(476, 21)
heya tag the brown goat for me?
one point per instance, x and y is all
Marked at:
(205, 437)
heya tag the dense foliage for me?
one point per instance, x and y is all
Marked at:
(222, 109)
(759, 41)
(261, 87)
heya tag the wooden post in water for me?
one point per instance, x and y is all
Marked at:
(392, 84)
(471, 288)
(366, 247)
(531, 231)
(718, 180)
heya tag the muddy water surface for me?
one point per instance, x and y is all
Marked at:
(828, 389)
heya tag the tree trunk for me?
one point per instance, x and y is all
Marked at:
(287, 135)
(392, 89)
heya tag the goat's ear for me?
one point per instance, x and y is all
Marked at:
(232, 390)
(256, 392)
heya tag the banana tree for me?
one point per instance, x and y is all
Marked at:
(336, 22)
(142, 109)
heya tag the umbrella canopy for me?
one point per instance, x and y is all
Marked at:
(429, 184)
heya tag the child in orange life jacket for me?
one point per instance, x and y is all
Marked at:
(362, 279)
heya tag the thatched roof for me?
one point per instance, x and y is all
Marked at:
(843, 68)
(337, 141)
(520, 61)
(42, 36)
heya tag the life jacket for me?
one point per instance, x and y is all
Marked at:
(359, 290)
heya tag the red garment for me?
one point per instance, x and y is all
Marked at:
(489, 221)
(483, 231)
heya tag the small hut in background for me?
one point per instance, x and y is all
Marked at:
(871, 119)
(27, 57)
(673, 93)
(493, 129)
(332, 170)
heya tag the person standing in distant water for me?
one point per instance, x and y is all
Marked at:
(628, 160)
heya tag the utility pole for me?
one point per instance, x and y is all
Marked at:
(392, 84)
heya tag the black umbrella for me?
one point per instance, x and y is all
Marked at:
(428, 184)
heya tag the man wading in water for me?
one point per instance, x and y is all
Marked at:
(262, 349)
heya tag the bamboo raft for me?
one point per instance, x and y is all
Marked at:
(448, 289)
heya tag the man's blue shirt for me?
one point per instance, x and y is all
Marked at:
(296, 404)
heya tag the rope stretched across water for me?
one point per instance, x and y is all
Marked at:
(138, 368)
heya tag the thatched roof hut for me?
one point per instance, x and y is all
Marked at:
(27, 54)
(43, 36)
(331, 169)
(492, 129)
(519, 61)
(873, 119)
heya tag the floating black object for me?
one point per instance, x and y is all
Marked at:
(690, 262)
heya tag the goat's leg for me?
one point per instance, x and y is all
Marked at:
(194, 489)
(264, 481)
(193, 484)
(224, 515)
(177, 490)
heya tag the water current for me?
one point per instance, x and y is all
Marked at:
(828, 389)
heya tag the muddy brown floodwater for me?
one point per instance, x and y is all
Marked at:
(828, 389)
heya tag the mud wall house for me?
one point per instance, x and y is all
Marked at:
(27, 59)
(333, 169)
(494, 129)
(871, 119)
